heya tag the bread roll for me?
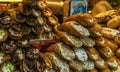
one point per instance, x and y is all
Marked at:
(3, 35)
(118, 52)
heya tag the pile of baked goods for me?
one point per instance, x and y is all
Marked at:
(32, 20)
(87, 44)
(83, 43)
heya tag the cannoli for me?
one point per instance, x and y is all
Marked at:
(114, 23)
(76, 65)
(36, 11)
(101, 64)
(88, 65)
(3, 35)
(112, 63)
(81, 54)
(41, 20)
(38, 29)
(74, 28)
(92, 53)
(82, 19)
(7, 67)
(109, 33)
(41, 4)
(87, 42)
(68, 39)
(62, 50)
(53, 20)
(47, 12)
(106, 52)
(58, 64)
(31, 20)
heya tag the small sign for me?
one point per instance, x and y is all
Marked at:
(78, 6)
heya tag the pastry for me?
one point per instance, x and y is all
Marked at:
(42, 4)
(27, 10)
(111, 44)
(25, 29)
(81, 54)
(106, 16)
(87, 42)
(7, 67)
(53, 20)
(114, 23)
(43, 64)
(27, 66)
(68, 39)
(31, 20)
(92, 53)
(3, 35)
(106, 52)
(109, 33)
(112, 63)
(82, 19)
(17, 57)
(62, 50)
(15, 32)
(36, 11)
(95, 30)
(116, 70)
(8, 46)
(7, 18)
(101, 64)
(47, 12)
(74, 28)
(58, 64)
(47, 28)
(117, 40)
(41, 20)
(32, 53)
(100, 41)
(38, 29)
(76, 65)
(20, 17)
(4, 58)
(88, 65)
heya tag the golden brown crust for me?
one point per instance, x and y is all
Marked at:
(92, 53)
(105, 70)
(47, 12)
(114, 23)
(106, 52)
(83, 19)
(53, 20)
(112, 63)
(101, 64)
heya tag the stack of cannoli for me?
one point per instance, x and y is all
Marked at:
(32, 20)
(74, 40)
